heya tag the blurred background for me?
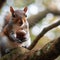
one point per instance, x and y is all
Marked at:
(40, 14)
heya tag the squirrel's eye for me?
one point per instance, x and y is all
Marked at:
(13, 14)
(25, 15)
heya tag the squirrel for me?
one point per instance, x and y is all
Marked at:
(16, 32)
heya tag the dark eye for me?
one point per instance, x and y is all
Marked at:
(25, 15)
(13, 14)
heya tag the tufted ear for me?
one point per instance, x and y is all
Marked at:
(11, 9)
(25, 9)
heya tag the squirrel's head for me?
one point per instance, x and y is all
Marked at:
(18, 16)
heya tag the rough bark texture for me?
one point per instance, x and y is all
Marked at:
(49, 52)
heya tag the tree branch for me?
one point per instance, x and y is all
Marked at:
(36, 18)
(46, 29)
(49, 52)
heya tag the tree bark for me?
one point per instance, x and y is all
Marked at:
(49, 52)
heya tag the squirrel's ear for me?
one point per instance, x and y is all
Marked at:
(25, 9)
(11, 9)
